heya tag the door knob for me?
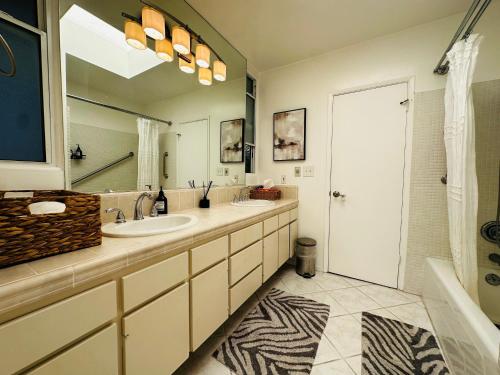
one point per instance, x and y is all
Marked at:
(337, 194)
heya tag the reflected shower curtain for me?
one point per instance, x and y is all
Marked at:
(461, 161)
(148, 155)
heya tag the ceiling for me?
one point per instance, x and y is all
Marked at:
(271, 33)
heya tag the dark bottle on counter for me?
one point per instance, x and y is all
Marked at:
(161, 203)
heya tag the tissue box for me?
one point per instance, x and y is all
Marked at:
(25, 237)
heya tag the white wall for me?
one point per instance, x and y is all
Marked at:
(220, 102)
(412, 52)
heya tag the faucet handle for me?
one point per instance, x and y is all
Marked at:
(120, 217)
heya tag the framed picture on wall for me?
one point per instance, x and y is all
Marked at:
(289, 135)
(231, 141)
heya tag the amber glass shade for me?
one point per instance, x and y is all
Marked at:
(219, 70)
(187, 67)
(153, 23)
(134, 35)
(205, 76)
(202, 56)
(181, 40)
(164, 50)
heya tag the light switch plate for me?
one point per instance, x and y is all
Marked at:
(298, 171)
(283, 179)
(220, 171)
(309, 171)
(226, 171)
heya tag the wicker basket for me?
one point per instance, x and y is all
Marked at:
(267, 194)
(25, 237)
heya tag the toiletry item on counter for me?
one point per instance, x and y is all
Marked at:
(268, 183)
(18, 194)
(204, 201)
(161, 203)
(46, 207)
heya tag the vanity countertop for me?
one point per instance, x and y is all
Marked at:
(30, 282)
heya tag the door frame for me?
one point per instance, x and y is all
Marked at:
(405, 210)
(207, 119)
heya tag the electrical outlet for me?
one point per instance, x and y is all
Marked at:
(309, 171)
(298, 171)
(220, 171)
(226, 171)
(283, 179)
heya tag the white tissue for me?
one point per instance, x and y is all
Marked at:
(47, 207)
(18, 194)
(268, 184)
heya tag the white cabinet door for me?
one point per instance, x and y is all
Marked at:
(209, 302)
(284, 245)
(270, 256)
(294, 232)
(157, 335)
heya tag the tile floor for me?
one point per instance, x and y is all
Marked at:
(339, 351)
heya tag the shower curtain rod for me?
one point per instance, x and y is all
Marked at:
(118, 109)
(442, 66)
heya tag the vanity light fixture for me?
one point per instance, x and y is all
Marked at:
(134, 35)
(187, 64)
(164, 50)
(219, 71)
(153, 23)
(205, 76)
(181, 40)
(202, 56)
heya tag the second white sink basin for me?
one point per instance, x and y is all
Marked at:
(253, 203)
(150, 226)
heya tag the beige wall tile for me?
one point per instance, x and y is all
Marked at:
(186, 199)
(173, 198)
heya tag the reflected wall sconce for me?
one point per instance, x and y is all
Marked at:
(153, 24)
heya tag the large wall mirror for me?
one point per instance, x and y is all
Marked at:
(133, 119)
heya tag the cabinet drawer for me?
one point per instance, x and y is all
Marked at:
(209, 254)
(270, 225)
(209, 303)
(245, 261)
(33, 336)
(294, 214)
(284, 219)
(157, 335)
(96, 355)
(239, 293)
(142, 285)
(270, 256)
(245, 237)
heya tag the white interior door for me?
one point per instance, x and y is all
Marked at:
(192, 153)
(367, 166)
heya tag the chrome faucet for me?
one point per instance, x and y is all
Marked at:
(120, 217)
(244, 195)
(138, 215)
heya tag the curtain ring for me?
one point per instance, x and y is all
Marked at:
(11, 57)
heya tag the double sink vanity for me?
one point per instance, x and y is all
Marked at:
(140, 305)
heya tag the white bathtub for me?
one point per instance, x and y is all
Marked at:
(469, 339)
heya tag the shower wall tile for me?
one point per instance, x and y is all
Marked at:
(487, 111)
(428, 223)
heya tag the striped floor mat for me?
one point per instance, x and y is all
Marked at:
(280, 336)
(396, 348)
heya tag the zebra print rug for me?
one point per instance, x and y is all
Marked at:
(396, 348)
(280, 336)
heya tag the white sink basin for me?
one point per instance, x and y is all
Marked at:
(253, 203)
(149, 226)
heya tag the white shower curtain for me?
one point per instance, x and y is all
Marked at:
(148, 155)
(461, 161)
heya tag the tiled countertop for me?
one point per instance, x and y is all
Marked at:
(29, 282)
